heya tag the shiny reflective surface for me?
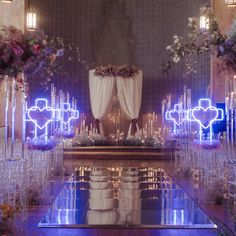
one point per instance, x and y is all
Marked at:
(124, 197)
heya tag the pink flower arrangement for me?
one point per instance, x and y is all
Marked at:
(32, 53)
(123, 71)
(17, 50)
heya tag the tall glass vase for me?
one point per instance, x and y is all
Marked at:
(53, 105)
(6, 110)
(13, 113)
(23, 101)
(62, 100)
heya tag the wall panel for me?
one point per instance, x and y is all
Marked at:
(124, 31)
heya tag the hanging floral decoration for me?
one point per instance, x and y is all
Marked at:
(35, 54)
(18, 50)
(199, 41)
(124, 71)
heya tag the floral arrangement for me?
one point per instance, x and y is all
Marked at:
(33, 196)
(216, 193)
(18, 50)
(66, 134)
(206, 144)
(6, 215)
(33, 53)
(41, 144)
(201, 41)
(123, 71)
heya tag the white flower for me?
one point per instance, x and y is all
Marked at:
(176, 59)
(232, 31)
(176, 39)
(190, 19)
(168, 47)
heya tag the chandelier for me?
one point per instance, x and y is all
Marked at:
(7, 1)
(204, 23)
(31, 18)
(230, 3)
(31, 21)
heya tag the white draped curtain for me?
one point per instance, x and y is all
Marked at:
(101, 93)
(129, 91)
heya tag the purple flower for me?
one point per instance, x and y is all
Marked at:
(48, 51)
(42, 145)
(229, 43)
(18, 51)
(221, 50)
(60, 53)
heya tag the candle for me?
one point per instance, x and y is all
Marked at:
(226, 104)
(163, 107)
(169, 102)
(6, 107)
(234, 83)
(67, 97)
(151, 127)
(13, 106)
(189, 98)
(185, 97)
(231, 101)
(145, 127)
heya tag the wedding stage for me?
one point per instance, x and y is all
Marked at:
(125, 84)
(118, 152)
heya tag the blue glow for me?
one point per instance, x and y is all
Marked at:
(177, 115)
(76, 115)
(67, 115)
(41, 115)
(205, 115)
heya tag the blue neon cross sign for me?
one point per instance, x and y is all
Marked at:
(205, 115)
(41, 115)
(177, 115)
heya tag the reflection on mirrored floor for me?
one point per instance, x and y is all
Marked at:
(124, 197)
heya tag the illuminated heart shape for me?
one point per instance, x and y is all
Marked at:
(205, 116)
(69, 115)
(76, 115)
(178, 116)
(41, 117)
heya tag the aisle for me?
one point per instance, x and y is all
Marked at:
(37, 213)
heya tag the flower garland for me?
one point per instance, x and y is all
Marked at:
(123, 71)
(34, 54)
(201, 41)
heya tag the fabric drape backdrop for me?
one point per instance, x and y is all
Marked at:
(129, 93)
(101, 93)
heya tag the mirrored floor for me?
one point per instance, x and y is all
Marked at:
(123, 197)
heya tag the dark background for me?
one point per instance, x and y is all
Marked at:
(124, 31)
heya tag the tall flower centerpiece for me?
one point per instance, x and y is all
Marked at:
(203, 40)
(31, 53)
